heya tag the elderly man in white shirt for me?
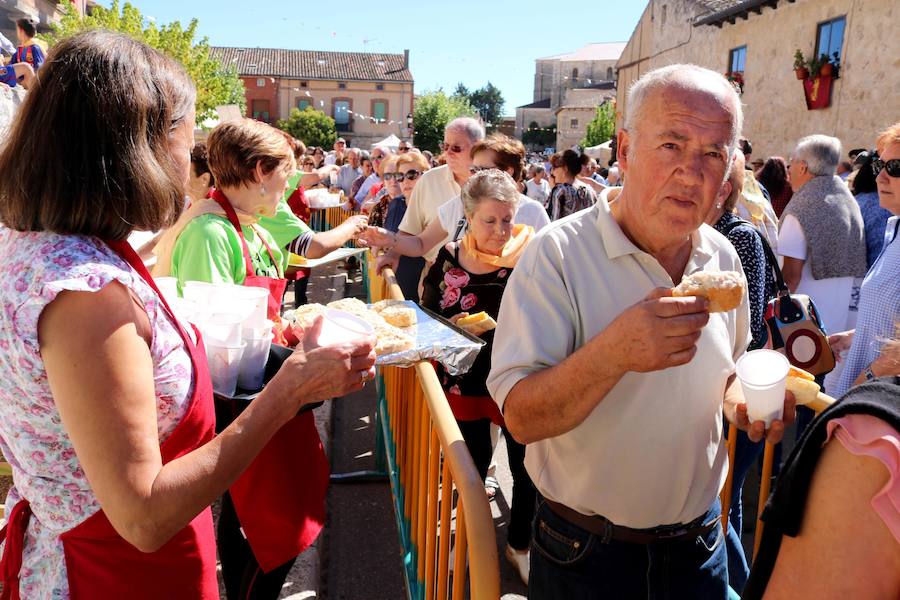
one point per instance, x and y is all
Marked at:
(617, 387)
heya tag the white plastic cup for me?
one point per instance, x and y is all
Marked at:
(185, 310)
(200, 292)
(168, 287)
(339, 327)
(763, 375)
(222, 329)
(256, 297)
(253, 362)
(224, 366)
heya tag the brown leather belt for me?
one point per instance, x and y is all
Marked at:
(608, 530)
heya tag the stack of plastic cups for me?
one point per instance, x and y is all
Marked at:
(224, 351)
(257, 341)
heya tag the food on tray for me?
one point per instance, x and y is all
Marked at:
(303, 316)
(395, 312)
(803, 385)
(354, 306)
(723, 289)
(478, 322)
(390, 340)
(295, 260)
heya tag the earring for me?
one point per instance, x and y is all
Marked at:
(718, 205)
(262, 190)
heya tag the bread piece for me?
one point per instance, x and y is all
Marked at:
(353, 306)
(805, 391)
(303, 316)
(800, 373)
(391, 340)
(399, 315)
(478, 323)
(723, 289)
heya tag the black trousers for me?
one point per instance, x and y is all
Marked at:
(244, 579)
(477, 435)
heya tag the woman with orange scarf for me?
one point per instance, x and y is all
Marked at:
(469, 277)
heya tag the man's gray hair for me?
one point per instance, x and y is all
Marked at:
(821, 153)
(689, 77)
(491, 184)
(469, 126)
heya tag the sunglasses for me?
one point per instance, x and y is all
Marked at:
(412, 175)
(454, 149)
(473, 169)
(403, 149)
(891, 166)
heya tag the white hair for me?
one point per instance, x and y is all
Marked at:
(469, 126)
(491, 184)
(687, 77)
(821, 153)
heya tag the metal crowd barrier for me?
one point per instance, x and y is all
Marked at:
(431, 473)
(821, 403)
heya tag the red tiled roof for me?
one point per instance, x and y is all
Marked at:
(315, 64)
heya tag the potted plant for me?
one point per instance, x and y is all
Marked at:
(826, 69)
(737, 80)
(836, 62)
(814, 65)
(800, 65)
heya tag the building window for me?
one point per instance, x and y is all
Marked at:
(573, 124)
(304, 103)
(737, 58)
(304, 84)
(342, 86)
(830, 38)
(609, 73)
(341, 114)
(260, 82)
(379, 87)
(260, 110)
(574, 74)
(379, 110)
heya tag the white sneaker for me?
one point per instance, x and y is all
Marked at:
(519, 560)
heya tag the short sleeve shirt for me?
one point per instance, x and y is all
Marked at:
(651, 452)
(435, 187)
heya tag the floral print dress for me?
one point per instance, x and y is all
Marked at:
(34, 268)
(449, 290)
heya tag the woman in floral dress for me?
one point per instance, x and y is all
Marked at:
(468, 277)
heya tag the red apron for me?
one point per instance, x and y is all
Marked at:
(280, 498)
(100, 564)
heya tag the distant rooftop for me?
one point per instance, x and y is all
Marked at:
(315, 64)
(545, 103)
(598, 51)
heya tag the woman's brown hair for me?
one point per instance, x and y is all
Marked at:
(510, 153)
(235, 148)
(89, 152)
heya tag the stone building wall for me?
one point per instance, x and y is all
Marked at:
(865, 98)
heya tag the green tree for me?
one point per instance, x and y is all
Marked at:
(488, 101)
(601, 129)
(313, 127)
(461, 90)
(216, 83)
(537, 137)
(432, 112)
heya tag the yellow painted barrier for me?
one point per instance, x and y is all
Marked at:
(432, 475)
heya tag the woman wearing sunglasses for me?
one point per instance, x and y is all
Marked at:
(879, 295)
(401, 175)
(497, 151)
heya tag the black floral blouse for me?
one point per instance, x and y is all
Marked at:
(449, 290)
(760, 279)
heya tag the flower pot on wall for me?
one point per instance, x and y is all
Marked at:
(826, 70)
(802, 73)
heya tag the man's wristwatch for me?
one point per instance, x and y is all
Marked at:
(869, 374)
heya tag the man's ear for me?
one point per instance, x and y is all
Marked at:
(623, 145)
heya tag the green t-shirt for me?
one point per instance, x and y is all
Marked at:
(209, 249)
(285, 227)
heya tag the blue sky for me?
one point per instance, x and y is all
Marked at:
(449, 41)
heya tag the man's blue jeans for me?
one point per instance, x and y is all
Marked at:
(569, 562)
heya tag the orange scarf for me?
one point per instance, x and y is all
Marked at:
(512, 250)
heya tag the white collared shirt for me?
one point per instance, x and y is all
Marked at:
(435, 187)
(651, 453)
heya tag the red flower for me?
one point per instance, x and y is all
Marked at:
(468, 301)
(451, 297)
(456, 277)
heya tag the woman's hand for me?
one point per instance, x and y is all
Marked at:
(315, 373)
(378, 237)
(355, 225)
(840, 343)
(367, 205)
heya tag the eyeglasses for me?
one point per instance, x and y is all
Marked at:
(476, 169)
(412, 175)
(403, 149)
(891, 166)
(454, 149)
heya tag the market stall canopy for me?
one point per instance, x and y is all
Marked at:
(392, 142)
(601, 153)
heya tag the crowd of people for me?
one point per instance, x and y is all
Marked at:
(613, 395)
